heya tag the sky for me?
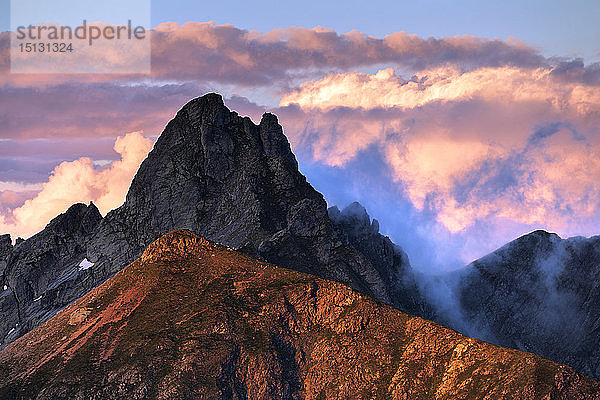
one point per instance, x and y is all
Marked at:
(566, 28)
(458, 125)
(559, 28)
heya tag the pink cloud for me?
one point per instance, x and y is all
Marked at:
(503, 142)
(79, 181)
(208, 55)
(385, 89)
(10, 199)
(226, 54)
(76, 110)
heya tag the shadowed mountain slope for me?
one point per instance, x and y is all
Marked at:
(41, 273)
(193, 319)
(538, 293)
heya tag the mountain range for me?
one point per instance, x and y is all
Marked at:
(237, 183)
(192, 319)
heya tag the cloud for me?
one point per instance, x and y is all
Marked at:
(486, 145)
(233, 60)
(216, 52)
(385, 89)
(574, 70)
(224, 53)
(11, 199)
(76, 110)
(79, 181)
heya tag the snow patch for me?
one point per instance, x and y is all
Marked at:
(5, 287)
(38, 299)
(85, 264)
(11, 331)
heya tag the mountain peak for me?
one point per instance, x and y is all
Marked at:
(353, 216)
(209, 100)
(543, 234)
(207, 110)
(77, 216)
(269, 119)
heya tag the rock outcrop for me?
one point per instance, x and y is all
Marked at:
(539, 294)
(5, 250)
(230, 180)
(192, 319)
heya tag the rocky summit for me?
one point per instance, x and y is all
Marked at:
(191, 319)
(221, 176)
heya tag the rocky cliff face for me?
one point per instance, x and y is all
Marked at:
(192, 319)
(234, 182)
(5, 250)
(40, 271)
(355, 230)
(540, 294)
